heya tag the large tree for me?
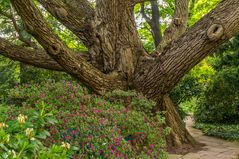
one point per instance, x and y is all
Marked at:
(116, 58)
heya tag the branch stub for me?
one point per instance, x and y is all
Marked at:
(215, 32)
(61, 12)
(54, 49)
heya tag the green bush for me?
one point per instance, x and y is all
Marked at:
(225, 131)
(190, 88)
(8, 77)
(118, 125)
(220, 102)
(189, 106)
(21, 135)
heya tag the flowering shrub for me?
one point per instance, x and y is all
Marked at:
(119, 125)
(20, 138)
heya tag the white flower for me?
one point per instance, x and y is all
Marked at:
(29, 133)
(21, 118)
(13, 154)
(3, 125)
(66, 145)
(8, 138)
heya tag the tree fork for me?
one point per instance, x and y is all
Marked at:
(117, 37)
(64, 56)
(165, 71)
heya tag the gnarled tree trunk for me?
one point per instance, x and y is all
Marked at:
(179, 139)
(116, 58)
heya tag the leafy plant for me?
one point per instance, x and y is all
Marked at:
(225, 131)
(20, 138)
(118, 125)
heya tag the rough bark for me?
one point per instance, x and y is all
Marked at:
(188, 50)
(160, 75)
(76, 15)
(78, 68)
(179, 137)
(118, 39)
(36, 58)
(178, 25)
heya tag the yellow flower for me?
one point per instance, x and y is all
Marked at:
(66, 145)
(3, 125)
(21, 118)
(29, 133)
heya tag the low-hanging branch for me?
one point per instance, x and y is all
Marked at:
(35, 57)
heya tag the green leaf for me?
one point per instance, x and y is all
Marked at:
(52, 121)
(43, 134)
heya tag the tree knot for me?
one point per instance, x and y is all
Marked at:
(215, 32)
(177, 21)
(54, 49)
(61, 12)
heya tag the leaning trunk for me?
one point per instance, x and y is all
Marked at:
(179, 139)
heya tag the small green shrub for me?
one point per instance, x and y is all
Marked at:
(225, 131)
(220, 102)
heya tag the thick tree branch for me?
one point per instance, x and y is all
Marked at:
(27, 41)
(79, 68)
(178, 25)
(76, 15)
(117, 36)
(37, 58)
(183, 54)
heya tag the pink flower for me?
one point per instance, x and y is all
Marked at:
(152, 146)
(149, 152)
(119, 131)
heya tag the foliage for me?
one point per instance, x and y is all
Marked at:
(199, 8)
(225, 131)
(227, 55)
(30, 74)
(193, 84)
(220, 102)
(166, 8)
(109, 127)
(20, 136)
(189, 106)
(8, 76)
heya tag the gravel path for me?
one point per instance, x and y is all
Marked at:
(214, 148)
